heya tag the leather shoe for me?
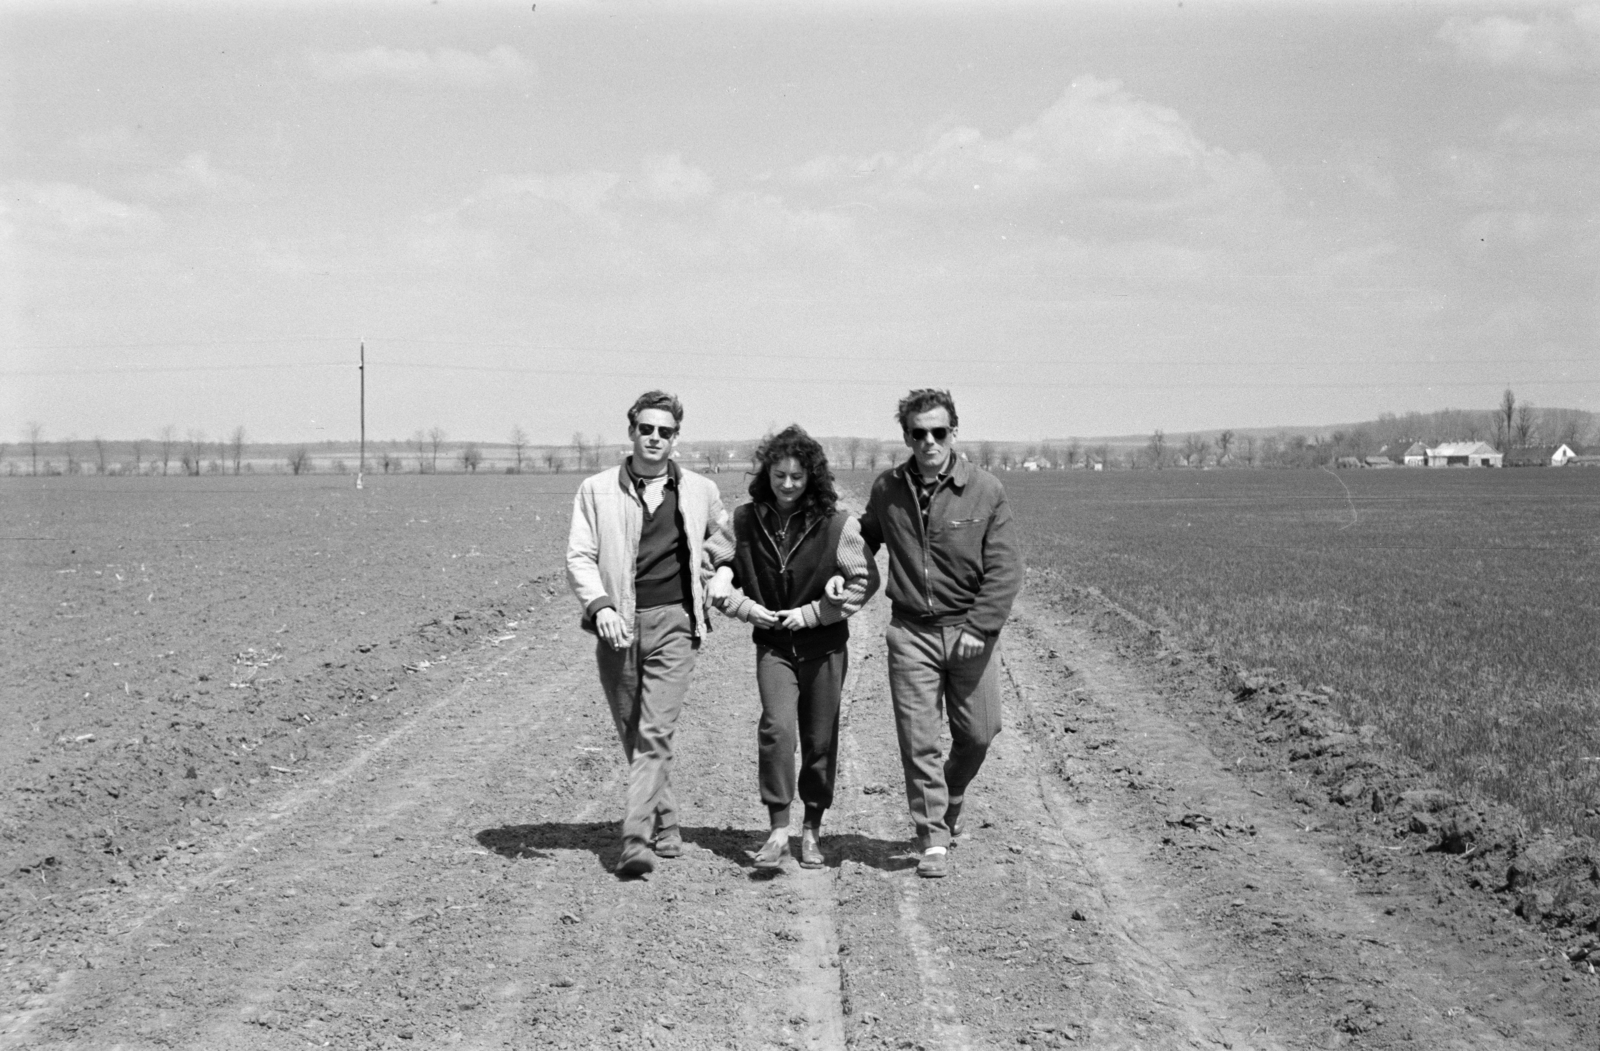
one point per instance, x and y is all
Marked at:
(810, 849)
(668, 843)
(952, 820)
(935, 864)
(637, 860)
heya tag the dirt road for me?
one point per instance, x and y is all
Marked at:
(448, 884)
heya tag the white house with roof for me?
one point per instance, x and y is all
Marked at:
(1464, 454)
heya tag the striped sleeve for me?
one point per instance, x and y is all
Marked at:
(860, 573)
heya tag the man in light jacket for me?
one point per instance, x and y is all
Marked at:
(954, 569)
(645, 536)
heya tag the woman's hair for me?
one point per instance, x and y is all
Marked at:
(820, 494)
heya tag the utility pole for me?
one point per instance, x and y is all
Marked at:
(362, 469)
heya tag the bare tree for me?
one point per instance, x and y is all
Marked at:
(419, 441)
(1156, 449)
(3, 448)
(1526, 428)
(519, 445)
(1505, 418)
(1074, 449)
(580, 449)
(1047, 456)
(194, 452)
(34, 433)
(986, 455)
(435, 444)
(852, 449)
(167, 439)
(470, 456)
(1194, 450)
(70, 447)
(598, 451)
(138, 455)
(1224, 445)
(99, 454)
(1248, 445)
(300, 460)
(389, 462)
(873, 449)
(552, 459)
(236, 447)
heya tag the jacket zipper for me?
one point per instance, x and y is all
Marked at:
(783, 559)
(922, 535)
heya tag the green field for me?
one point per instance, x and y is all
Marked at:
(1457, 607)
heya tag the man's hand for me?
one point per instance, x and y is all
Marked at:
(834, 589)
(720, 587)
(609, 623)
(793, 619)
(762, 617)
(968, 646)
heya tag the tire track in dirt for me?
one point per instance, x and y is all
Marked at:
(1253, 909)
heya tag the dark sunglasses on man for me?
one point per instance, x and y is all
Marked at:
(939, 433)
(667, 433)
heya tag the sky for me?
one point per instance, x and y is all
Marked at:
(1082, 219)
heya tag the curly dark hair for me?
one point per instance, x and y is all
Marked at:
(924, 399)
(820, 495)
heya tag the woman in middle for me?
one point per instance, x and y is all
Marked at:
(791, 538)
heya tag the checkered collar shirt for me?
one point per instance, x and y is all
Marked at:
(925, 488)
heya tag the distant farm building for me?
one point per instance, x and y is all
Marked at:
(1541, 456)
(1416, 455)
(1378, 461)
(1348, 461)
(1464, 454)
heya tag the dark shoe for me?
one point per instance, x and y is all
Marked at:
(952, 820)
(770, 857)
(637, 860)
(669, 843)
(935, 864)
(810, 849)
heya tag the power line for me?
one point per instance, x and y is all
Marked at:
(636, 348)
(813, 380)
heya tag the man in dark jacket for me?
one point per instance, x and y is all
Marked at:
(954, 570)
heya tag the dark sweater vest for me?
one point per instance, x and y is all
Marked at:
(779, 583)
(661, 570)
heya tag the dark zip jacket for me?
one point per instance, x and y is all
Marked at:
(963, 567)
(778, 580)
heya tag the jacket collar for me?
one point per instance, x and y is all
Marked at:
(632, 483)
(957, 470)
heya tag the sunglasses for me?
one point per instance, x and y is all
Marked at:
(939, 433)
(647, 429)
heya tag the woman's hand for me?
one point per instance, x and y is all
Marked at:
(793, 619)
(762, 617)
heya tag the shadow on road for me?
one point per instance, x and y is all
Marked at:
(536, 843)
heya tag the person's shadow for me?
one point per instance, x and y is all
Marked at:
(539, 842)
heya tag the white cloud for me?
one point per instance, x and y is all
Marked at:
(194, 176)
(444, 66)
(58, 208)
(1096, 149)
(1548, 43)
(580, 193)
(665, 178)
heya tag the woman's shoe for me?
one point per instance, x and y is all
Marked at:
(770, 857)
(810, 849)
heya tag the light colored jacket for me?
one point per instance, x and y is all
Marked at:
(603, 543)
